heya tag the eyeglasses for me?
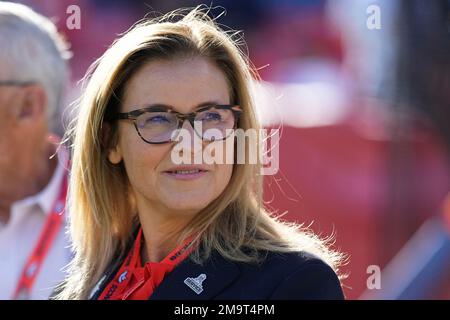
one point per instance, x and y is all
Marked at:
(158, 124)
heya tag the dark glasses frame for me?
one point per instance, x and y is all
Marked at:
(133, 115)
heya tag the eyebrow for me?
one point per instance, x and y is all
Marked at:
(165, 107)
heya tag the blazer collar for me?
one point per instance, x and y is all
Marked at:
(218, 274)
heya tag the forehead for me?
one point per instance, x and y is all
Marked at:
(181, 83)
(6, 70)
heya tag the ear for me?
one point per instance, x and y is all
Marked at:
(115, 155)
(114, 152)
(34, 103)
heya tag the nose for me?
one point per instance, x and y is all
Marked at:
(187, 141)
(188, 133)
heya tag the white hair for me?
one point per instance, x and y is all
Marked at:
(31, 50)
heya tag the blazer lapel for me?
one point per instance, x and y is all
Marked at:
(191, 281)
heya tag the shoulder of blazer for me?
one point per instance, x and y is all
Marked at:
(285, 262)
(113, 267)
(302, 275)
(294, 275)
(108, 274)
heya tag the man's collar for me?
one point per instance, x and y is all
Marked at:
(47, 196)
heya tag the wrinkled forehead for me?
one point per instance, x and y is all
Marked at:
(181, 83)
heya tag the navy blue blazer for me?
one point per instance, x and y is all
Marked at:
(287, 276)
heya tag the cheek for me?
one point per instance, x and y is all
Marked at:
(13, 147)
(223, 174)
(141, 161)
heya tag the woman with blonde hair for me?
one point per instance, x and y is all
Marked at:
(146, 227)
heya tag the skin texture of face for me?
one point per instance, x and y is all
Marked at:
(24, 163)
(183, 84)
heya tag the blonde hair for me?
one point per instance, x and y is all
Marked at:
(236, 225)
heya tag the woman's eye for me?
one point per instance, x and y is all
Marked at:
(157, 119)
(211, 116)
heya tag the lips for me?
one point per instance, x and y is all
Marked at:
(186, 173)
(186, 170)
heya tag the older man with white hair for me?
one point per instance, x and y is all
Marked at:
(33, 175)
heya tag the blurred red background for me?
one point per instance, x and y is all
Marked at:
(356, 158)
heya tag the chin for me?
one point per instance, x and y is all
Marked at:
(187, 203)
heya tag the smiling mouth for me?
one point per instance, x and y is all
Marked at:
(190, 174)
(193, 171)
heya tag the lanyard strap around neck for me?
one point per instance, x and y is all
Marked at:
(34, 262)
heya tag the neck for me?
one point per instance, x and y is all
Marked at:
(160, 230)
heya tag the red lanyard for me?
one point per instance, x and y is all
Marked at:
(34, 263)
(130, 282)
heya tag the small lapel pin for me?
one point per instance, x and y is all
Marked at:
(123, 276)
(196, 283)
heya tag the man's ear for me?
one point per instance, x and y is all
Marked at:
(114, 152)
(34, 102)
